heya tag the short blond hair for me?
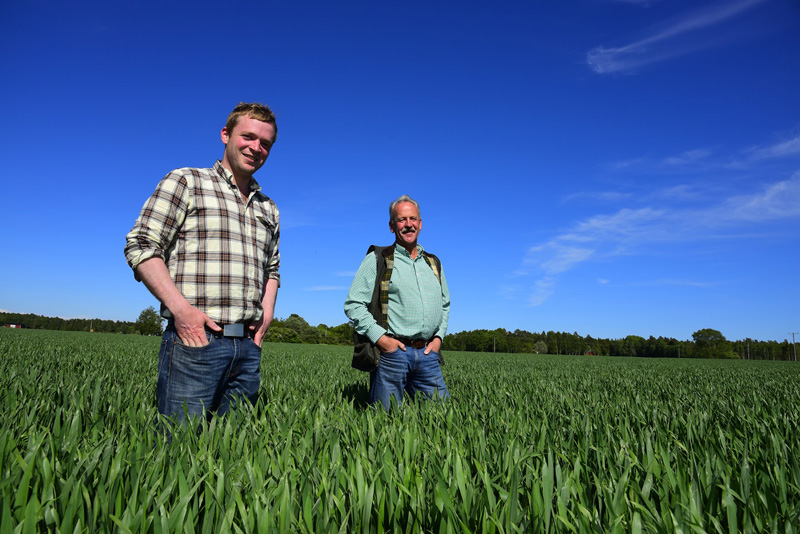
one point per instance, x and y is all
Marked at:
(254, 110)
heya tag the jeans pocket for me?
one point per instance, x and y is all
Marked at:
(179, 342)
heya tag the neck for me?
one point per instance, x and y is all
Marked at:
(243, 184)
(412, 248)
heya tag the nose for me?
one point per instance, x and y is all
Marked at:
(256, 149)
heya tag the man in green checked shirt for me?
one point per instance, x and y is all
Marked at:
(206, 246)
(410, 339)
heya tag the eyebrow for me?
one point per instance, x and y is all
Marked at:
(253, 134)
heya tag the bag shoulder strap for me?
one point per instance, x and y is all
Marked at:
(379, 305)
(384, 257)
(435, 264)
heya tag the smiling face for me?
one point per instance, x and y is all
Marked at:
(406, 225)
(247, 146)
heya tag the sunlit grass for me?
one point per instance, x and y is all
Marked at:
(527, 443)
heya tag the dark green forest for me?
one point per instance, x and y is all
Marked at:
(705, 343)
(40, 322)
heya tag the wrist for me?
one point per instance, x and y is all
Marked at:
(179, 308)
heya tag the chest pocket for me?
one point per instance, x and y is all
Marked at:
(265, 230)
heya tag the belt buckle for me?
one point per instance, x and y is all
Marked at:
(418, 343)
(233, 330)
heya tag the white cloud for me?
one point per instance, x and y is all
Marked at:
(786, 148)
(697, 160)
(685, 162)
(542, 289)
(671, 41)
(633, 231)
(687, 158)
(556, 257)
(623, 227)
(778, 201)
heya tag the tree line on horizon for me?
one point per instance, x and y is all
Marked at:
(705, 343)
(40, 322)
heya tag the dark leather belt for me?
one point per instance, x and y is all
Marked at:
(414, 343)
(237, 330)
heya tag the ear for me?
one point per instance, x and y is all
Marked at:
(391, 227)
(224, 135)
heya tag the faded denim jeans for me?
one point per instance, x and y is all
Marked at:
(410, 371)
(206, 379)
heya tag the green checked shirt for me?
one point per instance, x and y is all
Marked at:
(219, 250)
(419, 306)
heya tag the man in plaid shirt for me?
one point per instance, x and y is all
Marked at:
(206, 246)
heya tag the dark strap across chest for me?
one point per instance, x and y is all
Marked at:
(379, 305)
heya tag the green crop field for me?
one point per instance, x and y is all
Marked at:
(526, 444)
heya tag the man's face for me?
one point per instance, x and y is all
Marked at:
(247, 146)
(406, 224)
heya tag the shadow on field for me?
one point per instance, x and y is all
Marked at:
(358, 394)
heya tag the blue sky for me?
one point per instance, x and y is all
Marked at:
(602, 167)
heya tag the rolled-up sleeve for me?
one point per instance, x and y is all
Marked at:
(358, 299)
(273, 253)
(158, 223)
(445, 307)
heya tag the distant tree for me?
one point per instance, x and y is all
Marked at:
(340, 335)
(710, 343)
(306, 332)
(281, 334)
(633, 345)
(540, 347)
(149, 322)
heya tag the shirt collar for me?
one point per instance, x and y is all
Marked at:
(402, 250)
(227, 175)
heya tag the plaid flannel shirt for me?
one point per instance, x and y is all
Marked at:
(219, 250)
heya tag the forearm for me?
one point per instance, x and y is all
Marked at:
(155, 276)
(190, 323)
(268, 300)
(363, 321)
(356, 306)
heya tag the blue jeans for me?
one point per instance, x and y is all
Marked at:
(410, 371)
(206, 379)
